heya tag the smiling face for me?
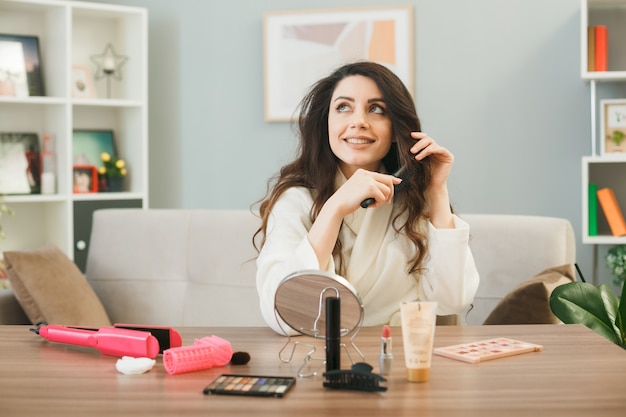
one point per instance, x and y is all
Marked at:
(359, 130)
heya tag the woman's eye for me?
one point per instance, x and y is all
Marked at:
(343, 108)
(378, 109)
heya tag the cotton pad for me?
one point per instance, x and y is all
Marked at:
(132, 366)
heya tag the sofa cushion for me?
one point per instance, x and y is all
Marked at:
(50, 288)
(175, 267)
(529, 303)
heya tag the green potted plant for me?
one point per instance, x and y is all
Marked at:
(616, 262)
(598, 308)
(111, 172)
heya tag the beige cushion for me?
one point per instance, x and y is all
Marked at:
(50, 288)
(529, 303)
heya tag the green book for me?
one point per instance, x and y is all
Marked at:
(593, 209)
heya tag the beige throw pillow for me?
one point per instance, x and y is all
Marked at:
(529, 303)
(51, 288)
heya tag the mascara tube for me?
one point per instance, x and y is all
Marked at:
(333, 334)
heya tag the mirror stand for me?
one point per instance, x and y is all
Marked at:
(299, 305)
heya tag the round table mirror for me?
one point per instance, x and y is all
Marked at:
(300, 302)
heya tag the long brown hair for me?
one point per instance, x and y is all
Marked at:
(315, 166)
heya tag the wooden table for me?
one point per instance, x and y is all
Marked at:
(578, 373)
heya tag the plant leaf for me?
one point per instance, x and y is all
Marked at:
(622, 314)
(611, 305)
(582, 303)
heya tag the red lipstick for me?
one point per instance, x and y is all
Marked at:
(386, 357)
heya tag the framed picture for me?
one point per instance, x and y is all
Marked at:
(613, 126)
(20, 163)
(300, 47)
(85, 179)
(20, 66)
(82, 82)
(87, 145)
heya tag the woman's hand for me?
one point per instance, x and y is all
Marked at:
(364, 184)
(441, 158)
(347, 199)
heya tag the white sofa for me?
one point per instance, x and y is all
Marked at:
(197, 267)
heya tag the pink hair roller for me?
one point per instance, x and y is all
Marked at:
(223, 349)
(203, 354)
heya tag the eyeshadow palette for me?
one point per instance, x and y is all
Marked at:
(250, 385)
(485, 350)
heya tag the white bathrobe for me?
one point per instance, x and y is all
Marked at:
(376, 258)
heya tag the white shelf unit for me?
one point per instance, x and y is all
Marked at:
(69, 33)
(603, 170)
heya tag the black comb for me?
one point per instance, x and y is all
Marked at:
(360, 378)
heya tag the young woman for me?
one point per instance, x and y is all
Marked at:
(356, 127)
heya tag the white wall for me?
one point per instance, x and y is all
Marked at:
(497, 82)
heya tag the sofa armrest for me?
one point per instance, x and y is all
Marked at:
(510, 249)
(10, 310)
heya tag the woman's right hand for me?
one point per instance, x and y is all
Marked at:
(347, 199)
(364, 184)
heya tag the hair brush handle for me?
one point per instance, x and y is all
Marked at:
(367, 202)
(399, 173)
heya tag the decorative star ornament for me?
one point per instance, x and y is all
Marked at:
(109, 64)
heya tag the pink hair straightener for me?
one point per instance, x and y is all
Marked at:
(119, 340)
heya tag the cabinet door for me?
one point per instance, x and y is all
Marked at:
(83, 217)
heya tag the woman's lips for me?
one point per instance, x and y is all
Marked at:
(359, 141)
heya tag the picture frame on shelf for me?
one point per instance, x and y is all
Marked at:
(300, 47)
(20, 163)
(82, 82)
(613, 127)
(20, 66)
(88, 145)
(85, 179)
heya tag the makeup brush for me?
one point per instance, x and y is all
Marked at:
(240, 358)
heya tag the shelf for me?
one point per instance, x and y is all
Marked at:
(606, 159)
(604, 172)
(106, 102)
(612, 14)
(44, 100)
(70, 33)
(608, 170)
(34, 198)
(107, 196)
(606, 76)
(604, 240)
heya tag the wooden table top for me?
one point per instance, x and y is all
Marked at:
(578, 373)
